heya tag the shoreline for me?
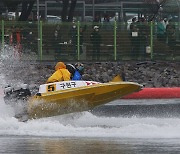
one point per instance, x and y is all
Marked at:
(148, 73)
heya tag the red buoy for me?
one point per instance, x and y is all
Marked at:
(155, 93)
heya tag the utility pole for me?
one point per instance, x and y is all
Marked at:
(38, 26)
(178, 4)
(93, 9)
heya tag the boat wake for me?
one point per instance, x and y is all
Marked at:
(86, 124)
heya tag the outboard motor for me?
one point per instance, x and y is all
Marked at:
(14, 94)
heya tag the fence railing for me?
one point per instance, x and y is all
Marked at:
(111, 41)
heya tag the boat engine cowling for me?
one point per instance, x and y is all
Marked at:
(16, 93)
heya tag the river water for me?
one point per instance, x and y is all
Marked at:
(122, 126)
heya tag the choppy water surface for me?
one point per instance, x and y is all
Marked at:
(89, 132)
(21, 145)
(133, 126)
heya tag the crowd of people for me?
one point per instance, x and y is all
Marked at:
(95, 39)
(139, 36)
(165, 31)
(139, 30)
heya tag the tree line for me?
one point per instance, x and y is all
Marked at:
(68, 7)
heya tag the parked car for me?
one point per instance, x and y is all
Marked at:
(53, 19)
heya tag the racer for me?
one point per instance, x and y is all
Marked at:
(60, 74)
(78, 72)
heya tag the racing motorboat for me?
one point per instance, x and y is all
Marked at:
(66, 97)
(76, 96)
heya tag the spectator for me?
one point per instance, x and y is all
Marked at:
(81, 37)
(142, 36)
(73, 37)
(134, 36)
(165, 22)
(18, 42)
(171, 34)
(95, 38)
(161, 31)
(97, 19)
(11, 35)
(28, 39)
(106, 22)
(57, 41)
(15, 38)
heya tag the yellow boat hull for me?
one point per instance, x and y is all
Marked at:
(78, 99)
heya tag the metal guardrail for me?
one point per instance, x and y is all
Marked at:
(110, 41)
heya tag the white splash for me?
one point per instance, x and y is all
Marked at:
(88, 125)
(5, 110)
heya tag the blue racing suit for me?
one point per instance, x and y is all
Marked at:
(77, 75)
